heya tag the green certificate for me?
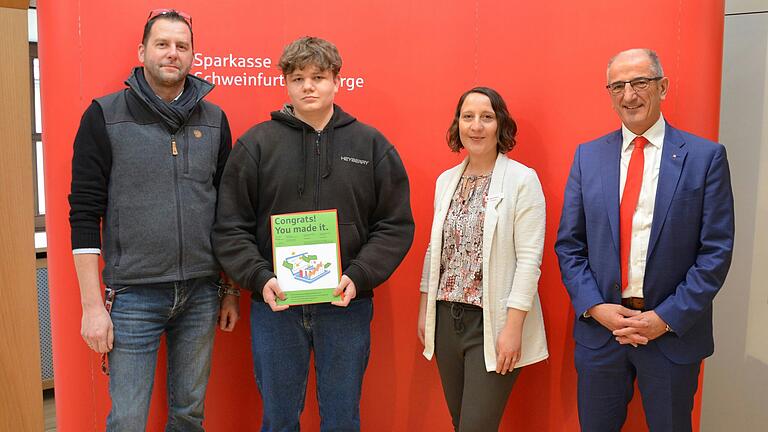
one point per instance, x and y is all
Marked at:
(306, 256)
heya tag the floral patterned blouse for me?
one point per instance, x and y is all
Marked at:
(461, 262)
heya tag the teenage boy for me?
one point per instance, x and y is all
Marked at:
(313, 156)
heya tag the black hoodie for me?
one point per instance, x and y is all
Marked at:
(285, 166)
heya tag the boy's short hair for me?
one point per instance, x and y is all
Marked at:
(310, 51)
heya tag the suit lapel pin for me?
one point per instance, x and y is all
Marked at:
(674, 156)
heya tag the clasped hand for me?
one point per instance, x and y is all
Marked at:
(629, 326)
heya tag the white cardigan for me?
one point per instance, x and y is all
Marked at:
(513, 241)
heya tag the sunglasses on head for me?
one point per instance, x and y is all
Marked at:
(160, 12)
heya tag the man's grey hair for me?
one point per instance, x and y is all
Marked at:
(656, 68)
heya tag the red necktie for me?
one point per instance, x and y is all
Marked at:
(629, 204)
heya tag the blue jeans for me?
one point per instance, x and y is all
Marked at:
(281, 344)
(186, 312)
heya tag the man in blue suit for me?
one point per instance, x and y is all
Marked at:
(644, 244)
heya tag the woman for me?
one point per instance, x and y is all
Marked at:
(479, 312)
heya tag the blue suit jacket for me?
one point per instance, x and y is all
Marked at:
(689, 251)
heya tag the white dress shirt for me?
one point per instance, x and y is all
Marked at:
(643, 216)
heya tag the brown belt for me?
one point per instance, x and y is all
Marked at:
(636, 303)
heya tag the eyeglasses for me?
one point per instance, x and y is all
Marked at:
(637, 84)
(159, 12)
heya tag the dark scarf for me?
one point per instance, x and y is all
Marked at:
(173, 114)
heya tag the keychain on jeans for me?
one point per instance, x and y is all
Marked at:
(109, 298)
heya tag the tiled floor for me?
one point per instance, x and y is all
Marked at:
(49, 411)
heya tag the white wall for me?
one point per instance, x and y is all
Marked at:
(745, 6)
(736, 377)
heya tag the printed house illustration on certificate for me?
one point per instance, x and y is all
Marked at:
(305, 267)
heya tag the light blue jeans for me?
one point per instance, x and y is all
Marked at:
(281, 344)
(186, 312)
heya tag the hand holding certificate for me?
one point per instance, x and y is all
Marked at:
(346, 287)
(306, 257)
(271, 294)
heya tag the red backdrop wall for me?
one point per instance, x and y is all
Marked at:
(547, 59)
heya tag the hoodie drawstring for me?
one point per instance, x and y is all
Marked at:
(328, 150)
(303, 161)
(339, 119)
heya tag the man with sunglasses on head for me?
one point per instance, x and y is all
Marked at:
(644, 244)
(145, 172)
